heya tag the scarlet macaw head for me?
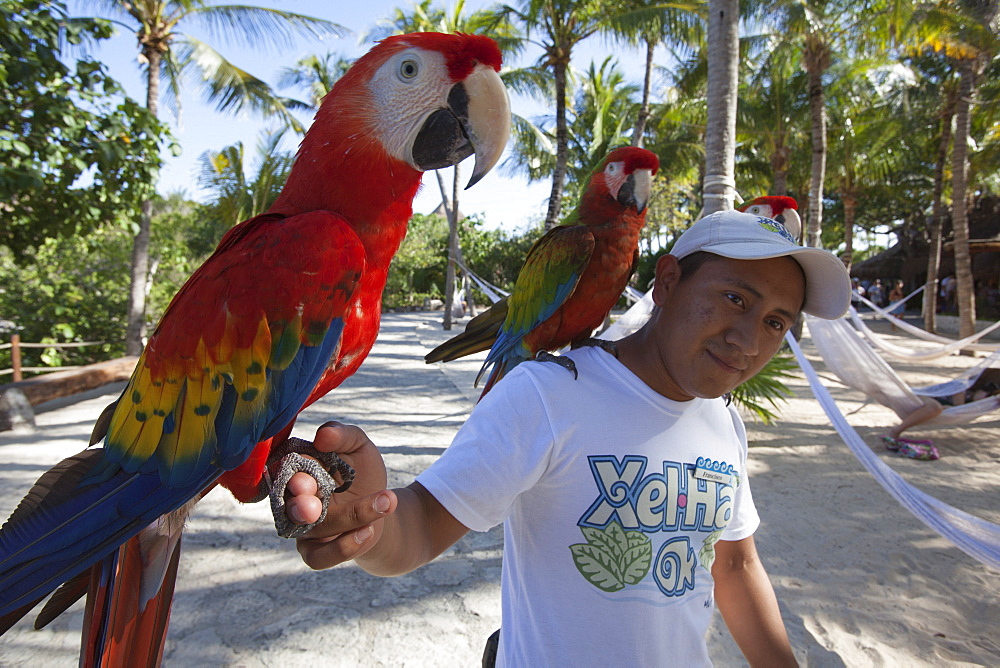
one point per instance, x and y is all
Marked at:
(430, 99)
(628, 174)
(776, 207)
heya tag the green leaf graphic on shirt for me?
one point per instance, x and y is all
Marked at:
(706, 555)
(612, 558)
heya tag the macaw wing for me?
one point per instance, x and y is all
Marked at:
(233, 359)
(549, 276)
(239, 349)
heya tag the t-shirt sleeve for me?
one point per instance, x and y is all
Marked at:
(745, 520)
(501, 451)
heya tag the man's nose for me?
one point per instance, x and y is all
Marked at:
(745, 335)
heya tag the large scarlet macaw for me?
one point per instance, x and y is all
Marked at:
(284, 310)
(572, 277)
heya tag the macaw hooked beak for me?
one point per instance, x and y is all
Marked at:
(476, 120)
(635, 191)
(790, 219)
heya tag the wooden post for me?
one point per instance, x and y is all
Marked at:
(15, 356)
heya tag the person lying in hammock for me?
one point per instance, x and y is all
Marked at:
(986, 385)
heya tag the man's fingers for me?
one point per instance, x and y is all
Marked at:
(345, 516)
(327, 553)
(349, 530)
(340, 438)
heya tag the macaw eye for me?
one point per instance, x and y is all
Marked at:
(755, 209)
(613, 168)
(408, 69)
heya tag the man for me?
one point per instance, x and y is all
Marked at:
(624, 494)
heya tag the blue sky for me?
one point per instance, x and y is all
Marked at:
(509, 202)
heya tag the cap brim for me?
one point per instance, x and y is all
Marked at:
(828, 283)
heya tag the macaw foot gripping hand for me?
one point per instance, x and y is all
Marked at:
(288, 459)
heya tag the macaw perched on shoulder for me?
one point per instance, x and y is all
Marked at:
(285, 309)
(776, 207)
(572, 278)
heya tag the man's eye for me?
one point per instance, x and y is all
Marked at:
(736, 299)
(777, 324)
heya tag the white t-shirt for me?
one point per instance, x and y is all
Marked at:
(609, 530)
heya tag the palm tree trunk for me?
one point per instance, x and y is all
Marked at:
(720, 127)
(937, 222)
(643, 117)
(136, 327)
(449, 277)
(779, 166)
(850, 209)
(959, 206)
(817, 110)
(562, 144)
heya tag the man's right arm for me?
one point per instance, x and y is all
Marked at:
(418, 531)
(388, 532)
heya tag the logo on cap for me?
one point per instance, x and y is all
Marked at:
(776, 227)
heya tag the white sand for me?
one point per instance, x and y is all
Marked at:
(861, 582)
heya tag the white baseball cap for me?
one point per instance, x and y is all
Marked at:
(744, 236)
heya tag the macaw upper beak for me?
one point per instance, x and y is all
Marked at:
(636, 189)
(476, 120)
(790, 219)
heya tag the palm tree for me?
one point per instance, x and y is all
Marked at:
(425, 17)
(650, 23)
(720, 126)
(236, 198)
(165, 50)
(823, 29)
(770, 118)
(556, 27)
(968, 36)
(316, 74)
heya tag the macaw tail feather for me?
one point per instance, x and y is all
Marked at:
(479, 335)
(67, 594)
(129, 601)
(498, 369)
(69, 520)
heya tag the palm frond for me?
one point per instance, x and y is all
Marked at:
(256, 26)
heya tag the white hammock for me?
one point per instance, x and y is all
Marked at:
(858, 366)
(909, 354)
(973, 535)
(494, 293)
(924, 334)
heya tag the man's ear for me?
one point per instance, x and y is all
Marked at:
(668, 275)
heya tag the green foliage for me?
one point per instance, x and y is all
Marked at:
(496, 255)
(236, 195)
(75, 288)
(417, 271)
(74, 151)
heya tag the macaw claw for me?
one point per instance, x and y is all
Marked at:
(607, 346)
(564, 362)
(288, 459)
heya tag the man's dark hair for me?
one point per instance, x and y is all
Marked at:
(689, 264)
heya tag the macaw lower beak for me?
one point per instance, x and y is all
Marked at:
(636, 189)
(476, 120)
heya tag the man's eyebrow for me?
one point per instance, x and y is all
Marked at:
(756, 293)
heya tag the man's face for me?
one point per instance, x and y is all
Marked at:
(720, 325)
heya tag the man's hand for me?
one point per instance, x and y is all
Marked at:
(352, 525)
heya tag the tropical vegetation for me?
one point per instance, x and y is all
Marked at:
(880, 117)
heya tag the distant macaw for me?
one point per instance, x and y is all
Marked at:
(286, 308)
(572, 277)
(776, 207)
